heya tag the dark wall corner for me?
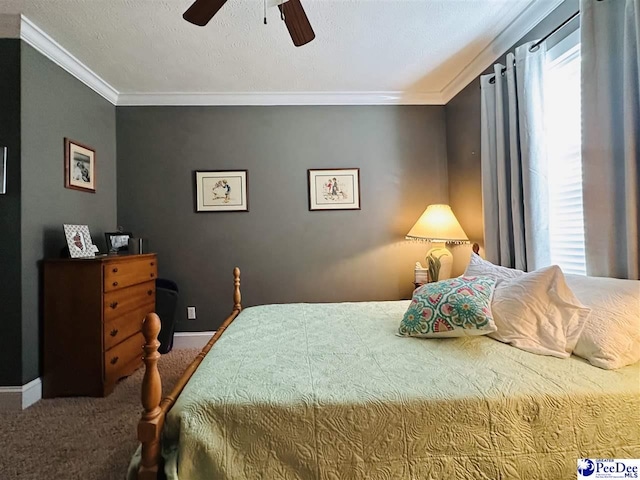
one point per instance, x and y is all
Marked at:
(10, 217)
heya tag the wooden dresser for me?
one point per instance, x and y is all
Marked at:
(93, 313)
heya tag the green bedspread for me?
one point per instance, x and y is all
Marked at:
(328, 391)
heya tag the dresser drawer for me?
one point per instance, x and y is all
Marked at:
(119, 357)
(124, 300)
(125, 325)
(130, 272)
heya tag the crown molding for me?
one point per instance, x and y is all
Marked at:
(531, 16)
(279, 98)
(47, 46)
(38, 39)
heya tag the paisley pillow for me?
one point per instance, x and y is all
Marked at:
(451, 308)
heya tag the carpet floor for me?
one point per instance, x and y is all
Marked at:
(80, 438)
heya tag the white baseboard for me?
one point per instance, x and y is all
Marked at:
(19, 398)
(182, 340)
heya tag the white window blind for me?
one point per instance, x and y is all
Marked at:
(563, 130)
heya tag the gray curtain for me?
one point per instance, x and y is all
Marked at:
(514, 165)
(610, 31)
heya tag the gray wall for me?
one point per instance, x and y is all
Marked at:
(286, 252)
(463, 136)
(56, 105)
(10, 267)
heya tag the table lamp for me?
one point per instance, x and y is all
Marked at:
(439, 226)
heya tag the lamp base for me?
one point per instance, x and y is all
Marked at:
(441, 252)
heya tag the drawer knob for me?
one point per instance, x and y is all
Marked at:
(115, 284)
(113, 304)
(114, 332)
(152, 263)
(114, 360)
(149, 292)
(115, 270)
(153, 275)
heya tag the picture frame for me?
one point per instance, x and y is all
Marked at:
(79, 166)
(334, 189)
(3, 170)
(221, 191)
(117, 242)
(79, 241)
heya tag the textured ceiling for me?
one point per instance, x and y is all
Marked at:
(413, 46)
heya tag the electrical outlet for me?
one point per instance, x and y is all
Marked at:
(191, 313)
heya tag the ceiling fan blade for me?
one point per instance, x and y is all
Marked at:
(297, 22)
(202, 11)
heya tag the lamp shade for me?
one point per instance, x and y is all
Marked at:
(438, 224)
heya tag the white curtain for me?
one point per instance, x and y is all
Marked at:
(514, 162)
(610, 31)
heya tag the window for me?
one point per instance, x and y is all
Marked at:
(563, 132)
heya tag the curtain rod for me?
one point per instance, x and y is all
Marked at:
(535, 46)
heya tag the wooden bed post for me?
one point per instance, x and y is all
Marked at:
(155, 407)
(150, 424)
(237, 297)
(476, 248)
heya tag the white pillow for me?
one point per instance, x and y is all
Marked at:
(478, 267)
(539, 313)
(611, 336)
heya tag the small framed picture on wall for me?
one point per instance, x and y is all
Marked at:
(334, 189)
(222, 191)
(79, 166)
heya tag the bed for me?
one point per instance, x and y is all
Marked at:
(328, 391)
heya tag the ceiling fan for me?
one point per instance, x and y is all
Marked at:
(291, 12)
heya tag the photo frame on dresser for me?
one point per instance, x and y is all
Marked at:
(79, 241)
(117, 242)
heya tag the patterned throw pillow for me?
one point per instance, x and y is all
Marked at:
(451, 308)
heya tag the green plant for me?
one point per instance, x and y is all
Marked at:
(434, 265)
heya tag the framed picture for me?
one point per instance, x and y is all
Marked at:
(117, 241)
(3, 170)
(335, 189)
(79, 241)
(222, 191)
(79, 166)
